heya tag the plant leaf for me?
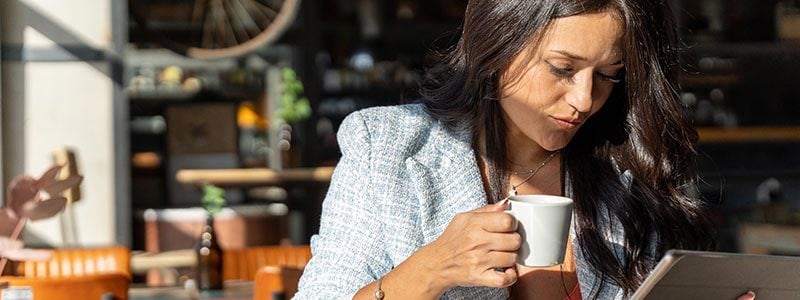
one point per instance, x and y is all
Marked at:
(213, 199)
(49, 176)
(45, 209)
(59, 187)
(21, 190)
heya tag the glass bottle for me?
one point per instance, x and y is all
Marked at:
(209, 258)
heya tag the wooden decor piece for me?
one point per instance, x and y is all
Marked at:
(66, 159)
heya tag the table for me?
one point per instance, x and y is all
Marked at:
(141, 262)
(252, 176)
(762, 238)
(314, 182)
(234, 290)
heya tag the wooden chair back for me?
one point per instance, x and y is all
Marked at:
(79, 262)
(94, 286)
(271, 282)
(244, 263)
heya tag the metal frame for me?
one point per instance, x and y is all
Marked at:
(123, 231)
(2, 133)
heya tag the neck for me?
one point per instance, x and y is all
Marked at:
(522, 152)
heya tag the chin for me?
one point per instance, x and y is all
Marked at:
(557, 142)
(555, 147)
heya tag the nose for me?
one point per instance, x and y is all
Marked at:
(579, 95)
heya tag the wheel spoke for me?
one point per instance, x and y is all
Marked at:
(229, 37)
(264, 18)
(258, 16)
(208, 28)
(235, 22)
(219, 41)
(247, 19)
(268, 10)
(199, 10)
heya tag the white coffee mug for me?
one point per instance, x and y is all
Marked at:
(544, 222)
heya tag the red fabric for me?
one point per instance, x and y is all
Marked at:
(576, 293)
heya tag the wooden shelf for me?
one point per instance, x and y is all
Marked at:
(761, 238)
(747, 48)
(232, 93)
(749, 134)
(717, 80)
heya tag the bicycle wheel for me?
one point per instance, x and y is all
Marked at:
(214, 28)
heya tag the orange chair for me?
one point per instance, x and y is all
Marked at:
(80, 262)
(92, 286)
(272, 280)
(78, 273)
(244, 263)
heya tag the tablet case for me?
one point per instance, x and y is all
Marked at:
(725, 276)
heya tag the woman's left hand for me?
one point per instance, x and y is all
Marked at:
(750, 295)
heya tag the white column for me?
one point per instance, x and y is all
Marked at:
(49, 103)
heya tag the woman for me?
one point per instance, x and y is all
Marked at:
(574, 98)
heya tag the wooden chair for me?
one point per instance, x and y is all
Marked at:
(78, 273)
(92, 286)
(80, 262)
(244, 263)
(271, 281)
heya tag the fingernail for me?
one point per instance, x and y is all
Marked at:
(751, 293)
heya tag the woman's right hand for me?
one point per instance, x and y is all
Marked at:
(478, 248)
(473, 246)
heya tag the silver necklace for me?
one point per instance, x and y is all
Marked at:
(531, 172)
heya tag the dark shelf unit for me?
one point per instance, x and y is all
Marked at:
(736, 60)
(331, 33)
(735, 50)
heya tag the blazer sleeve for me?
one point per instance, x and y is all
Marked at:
(347, 253)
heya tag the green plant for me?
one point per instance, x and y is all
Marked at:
(293, 107)
(213, 199)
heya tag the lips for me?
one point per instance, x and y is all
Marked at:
(566, 122)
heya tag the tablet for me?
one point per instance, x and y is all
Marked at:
(725, 276)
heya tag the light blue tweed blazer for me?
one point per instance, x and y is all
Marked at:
(401, 179)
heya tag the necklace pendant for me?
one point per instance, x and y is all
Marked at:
(531, 173)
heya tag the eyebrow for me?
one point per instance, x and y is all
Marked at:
(578, 57)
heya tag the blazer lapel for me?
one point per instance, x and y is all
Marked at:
(446, 180)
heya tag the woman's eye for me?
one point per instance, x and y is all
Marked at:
(613, 78)
(563, 72)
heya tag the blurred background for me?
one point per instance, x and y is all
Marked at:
(155, 98)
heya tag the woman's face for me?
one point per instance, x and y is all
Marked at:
(566, 80)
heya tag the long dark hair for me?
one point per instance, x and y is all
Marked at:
(643, 128)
